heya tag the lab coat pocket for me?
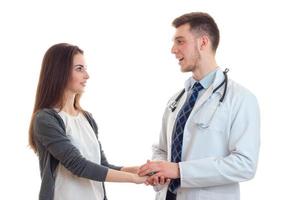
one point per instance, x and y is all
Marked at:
(211, 117)
(212, 130)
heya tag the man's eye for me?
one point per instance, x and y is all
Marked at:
(179, 41)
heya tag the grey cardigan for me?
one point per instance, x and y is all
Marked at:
(53, 147)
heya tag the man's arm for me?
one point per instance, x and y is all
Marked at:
(160, 152)
(239, 165)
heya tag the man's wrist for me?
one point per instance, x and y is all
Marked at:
(177, 170)
(178, 167)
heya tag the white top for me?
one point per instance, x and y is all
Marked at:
(67, 185)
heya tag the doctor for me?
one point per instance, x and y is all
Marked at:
(209, 141)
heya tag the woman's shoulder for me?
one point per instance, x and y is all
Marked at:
(48, 115)
(88, 115)
(91, 120)
(45, 113)
(46, 119)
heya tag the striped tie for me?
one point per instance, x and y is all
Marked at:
(177, 136)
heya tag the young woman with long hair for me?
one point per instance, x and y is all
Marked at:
(65, 136)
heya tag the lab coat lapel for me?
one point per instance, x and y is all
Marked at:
(171, 122)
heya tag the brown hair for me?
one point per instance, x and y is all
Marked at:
(200, 23)
(54, 76)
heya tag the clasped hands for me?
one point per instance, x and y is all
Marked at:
(159, 172)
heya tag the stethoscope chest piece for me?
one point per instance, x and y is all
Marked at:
(173, 106)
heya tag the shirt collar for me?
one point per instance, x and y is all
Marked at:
(206, 81)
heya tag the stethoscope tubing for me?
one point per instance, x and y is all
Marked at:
(173, 105)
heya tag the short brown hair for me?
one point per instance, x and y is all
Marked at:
(200, 23)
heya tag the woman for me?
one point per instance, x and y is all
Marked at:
(64, 136)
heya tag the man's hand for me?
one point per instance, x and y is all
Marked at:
(160, 168)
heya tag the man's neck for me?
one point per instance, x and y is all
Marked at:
(204, 68)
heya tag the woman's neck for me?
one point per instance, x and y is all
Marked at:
(68, 106)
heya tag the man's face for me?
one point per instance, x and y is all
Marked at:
(185, 48)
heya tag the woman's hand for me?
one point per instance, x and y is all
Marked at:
(157, 180)
(139, 179)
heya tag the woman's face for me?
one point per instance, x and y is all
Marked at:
(79, 75)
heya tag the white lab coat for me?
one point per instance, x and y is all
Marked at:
(217, 158)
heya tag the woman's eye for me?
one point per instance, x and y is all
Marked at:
(79, 69)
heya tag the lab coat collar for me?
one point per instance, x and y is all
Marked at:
(219, 78)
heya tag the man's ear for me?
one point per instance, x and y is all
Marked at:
(202, 42)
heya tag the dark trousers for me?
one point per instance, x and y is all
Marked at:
(170, 196)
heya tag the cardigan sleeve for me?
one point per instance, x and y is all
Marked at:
(49, 132)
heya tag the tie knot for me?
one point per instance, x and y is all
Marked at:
(197, 87)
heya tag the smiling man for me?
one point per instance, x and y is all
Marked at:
(209, 140)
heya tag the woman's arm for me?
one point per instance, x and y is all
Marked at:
(122, 176)
(133, 169)
(49, 133)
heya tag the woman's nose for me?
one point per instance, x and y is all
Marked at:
(87, 76)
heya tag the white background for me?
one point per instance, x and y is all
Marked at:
(133, 74)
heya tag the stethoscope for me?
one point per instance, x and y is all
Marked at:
(173, 105)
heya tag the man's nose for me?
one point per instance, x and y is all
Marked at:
(174, 49)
